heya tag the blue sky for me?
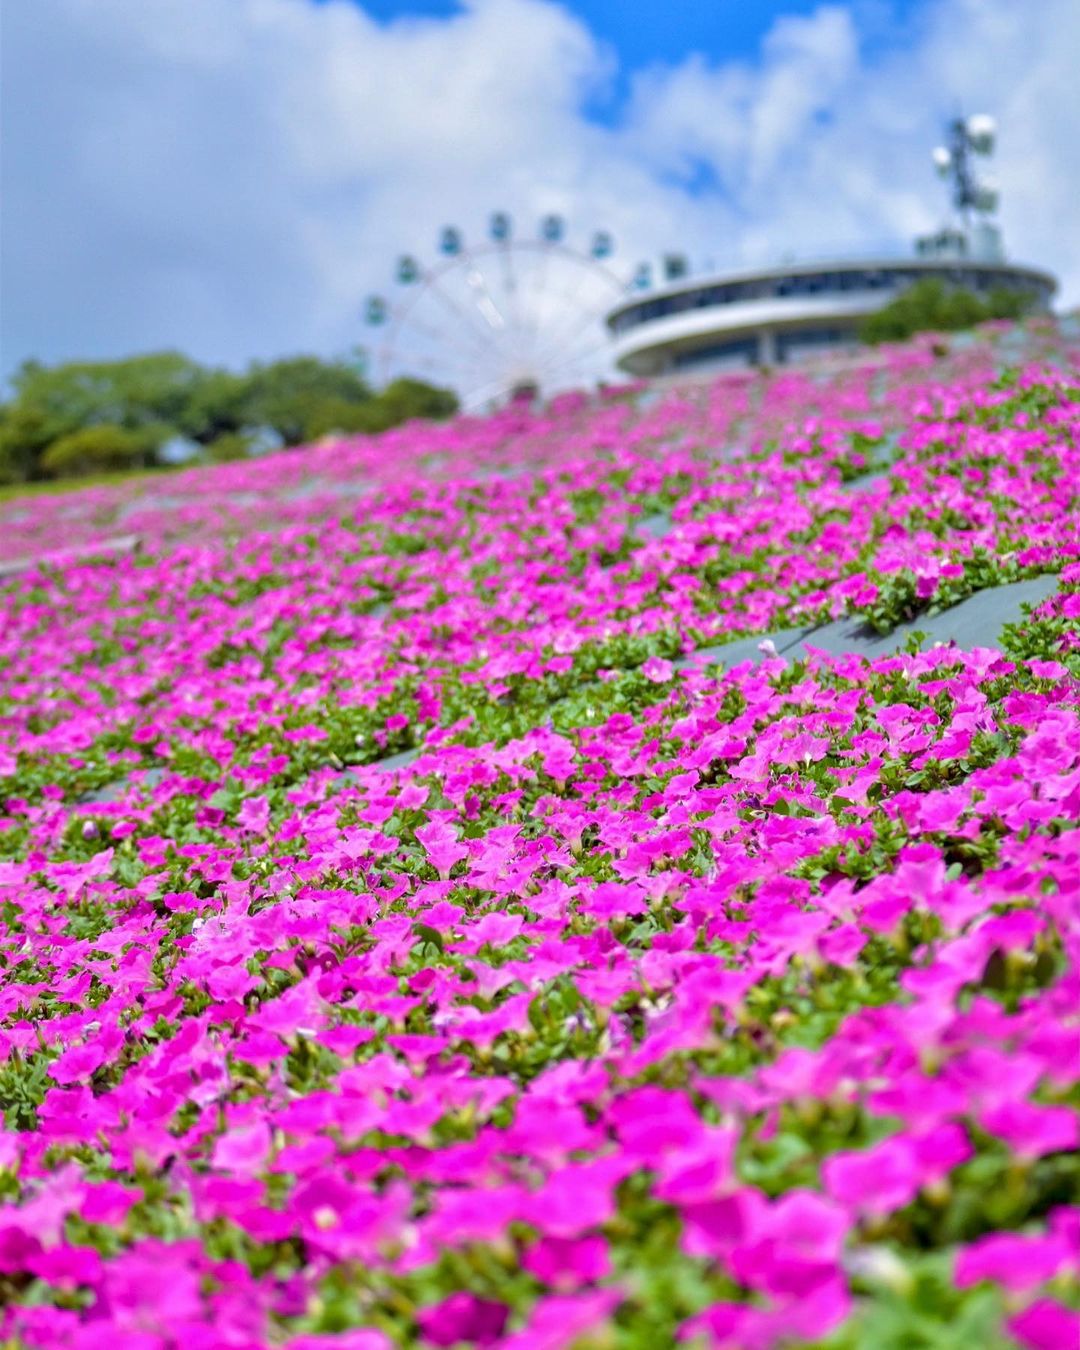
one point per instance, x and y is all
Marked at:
(668, 31)
(641, 34)
(233, 177)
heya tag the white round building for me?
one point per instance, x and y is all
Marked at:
(774, 315)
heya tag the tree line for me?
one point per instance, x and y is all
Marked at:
(85, 417)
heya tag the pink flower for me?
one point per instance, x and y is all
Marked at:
(614, 900)
(229, 982)
(66, 1266)
(939, 1150)
(108, 1202)
(1046, 1325)
(243, 1151)
(150, 1287)
(1032, 1130)
(441, 846)
(807, 1223)
(725, 1326)
(576, 1198)
(77, 1064)
(254, 815)
(657, 670)
(558, 1321)
(359, 1338)
(698, 1172)
(463, 1317)
(567, 1263)
(17, 1247)
(650, 1120)
(1016, 1261)
(714, 1228)
(877, 1180)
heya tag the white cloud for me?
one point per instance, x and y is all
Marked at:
(233, 178)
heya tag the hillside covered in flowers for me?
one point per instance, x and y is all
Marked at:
(448, 898)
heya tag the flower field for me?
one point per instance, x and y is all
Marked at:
(416, 933)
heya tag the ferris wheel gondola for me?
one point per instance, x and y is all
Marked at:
(506, 318)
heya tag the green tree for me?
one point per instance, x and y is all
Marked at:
(401, 401)
(145, 395)
(1004, 303)
(24, 434)
(931, 306)
(292, 395)
(228, 446)
(97, 449)
(407, 398)
(216, 406)
(337, 416)
(135, 392)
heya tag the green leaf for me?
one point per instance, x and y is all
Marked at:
(431, 937)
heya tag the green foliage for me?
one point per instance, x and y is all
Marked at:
(228, 446)
(24, 435)
(132, 393)
(94, 448)
(407, 398)
(303, 399)
(337, 416)
(1004, 303)
(930, 306)
(217, 406)
(288, 395)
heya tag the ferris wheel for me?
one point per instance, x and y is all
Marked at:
(507, 318)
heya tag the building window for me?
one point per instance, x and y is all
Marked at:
(741, 351)
(806, 341)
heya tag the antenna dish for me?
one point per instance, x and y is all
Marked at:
(981, 129)
(986, 195)
(942, 160)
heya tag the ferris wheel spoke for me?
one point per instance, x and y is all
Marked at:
(518, 337)
(431, 283)
(543, 339)
(578, 327)
(483, 392)
(581, 315)
(441, 350)
(519, 287)
(506, 256)
(436, 366)
(538, 289)
(482, 297)
(439, 338)
(571, 358)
